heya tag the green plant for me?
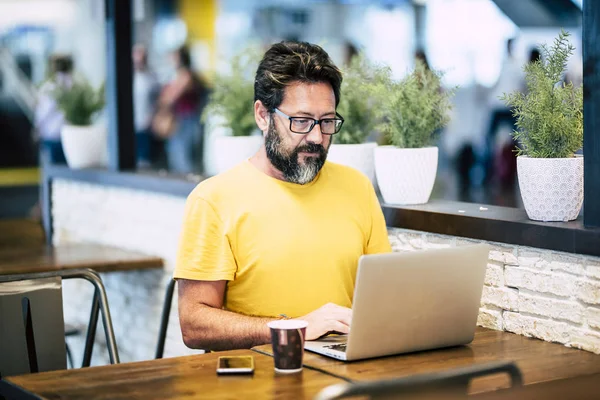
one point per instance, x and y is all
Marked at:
(550, 115)
(416, 109)
(232, 94)
(363, 88)
(79, 102)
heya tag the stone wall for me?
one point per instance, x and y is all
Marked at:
(549, 295)
(538, 293)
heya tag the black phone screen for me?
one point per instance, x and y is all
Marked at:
(235, 362)
(235, 365)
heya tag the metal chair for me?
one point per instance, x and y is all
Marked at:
(455, 381)
(164, 319)
(33, 334)
(70, 331)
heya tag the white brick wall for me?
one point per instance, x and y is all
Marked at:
(490, 318)
(546, 329)
(593, 270)
(503, 297)
(533, 292)
(566, 310)
(494, 275)
(588, 290)
(539, 293)
(555, 283)
(593, 317)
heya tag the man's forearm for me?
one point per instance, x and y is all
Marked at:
(209, 328)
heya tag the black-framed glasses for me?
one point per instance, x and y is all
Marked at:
(329, 126)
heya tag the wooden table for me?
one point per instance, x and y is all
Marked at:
(21, 232)
(194, 377)
(538, 361)
(190, 377)
(23, 250)
(32, 259)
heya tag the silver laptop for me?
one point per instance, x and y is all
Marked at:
(405, 302)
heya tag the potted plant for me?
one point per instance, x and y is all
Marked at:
(415, 110)
(229, 114)
(84, 143)
(364, 87)
(549, 130)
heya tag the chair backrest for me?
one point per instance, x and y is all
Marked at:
(32, 330)
(446, 384)
(164, 319)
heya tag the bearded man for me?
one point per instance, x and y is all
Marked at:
(281, 233)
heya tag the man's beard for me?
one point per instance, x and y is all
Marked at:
(288, 162)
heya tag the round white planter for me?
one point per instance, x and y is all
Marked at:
(85, 146)
(405, 176)
(551, 188)
(232, 150)
(358, 156)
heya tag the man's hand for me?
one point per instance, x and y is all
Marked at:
(329, 318)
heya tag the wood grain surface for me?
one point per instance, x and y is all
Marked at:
(538, 361)
(189, 377)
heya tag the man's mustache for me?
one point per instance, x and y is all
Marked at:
(311, 148)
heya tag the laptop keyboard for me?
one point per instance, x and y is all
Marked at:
(339, 347)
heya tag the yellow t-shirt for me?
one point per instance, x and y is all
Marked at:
(284, 248)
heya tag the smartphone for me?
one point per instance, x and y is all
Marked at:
(235, 365)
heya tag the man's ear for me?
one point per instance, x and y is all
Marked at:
(261, 116)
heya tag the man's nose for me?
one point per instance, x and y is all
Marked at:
(315, 135)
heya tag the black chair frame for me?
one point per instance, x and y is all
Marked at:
(412, 384)
(164, 319)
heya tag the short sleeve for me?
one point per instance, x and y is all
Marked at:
(378, 241)
(204, 251)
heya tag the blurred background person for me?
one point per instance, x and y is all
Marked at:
(183, 97)
(350, 51)
(511, 78)
(145, 93)
(48, 118)
(505, 162)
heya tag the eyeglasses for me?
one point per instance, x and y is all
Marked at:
(329, 126)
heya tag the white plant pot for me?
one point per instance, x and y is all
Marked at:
(405, 176)
(551, 188)
(232, 150)
(85, 146)
(358, 156)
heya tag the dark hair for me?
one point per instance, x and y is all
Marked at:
(60, 63)
(351, 51)
(420, 55)
(534, 55)
(184, 57)
(288, 62)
